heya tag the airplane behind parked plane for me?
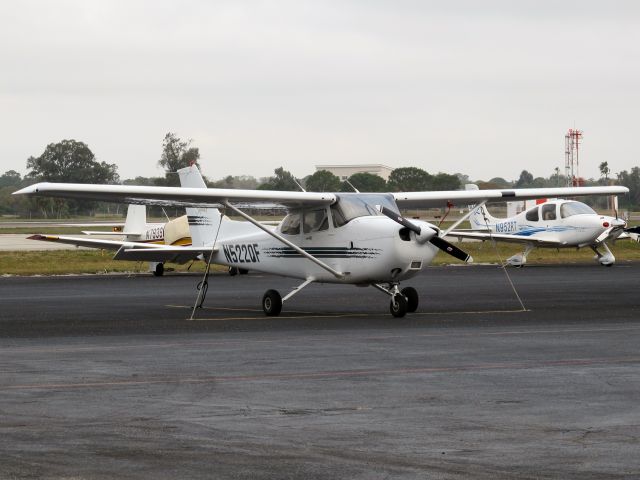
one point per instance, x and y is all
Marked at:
(136, 231)
(551, 224)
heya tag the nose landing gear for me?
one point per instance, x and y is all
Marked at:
(402, 301)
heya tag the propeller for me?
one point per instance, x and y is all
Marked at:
(435, 238)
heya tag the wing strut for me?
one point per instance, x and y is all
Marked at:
(203, 286)
(463, 218)
(280, 238)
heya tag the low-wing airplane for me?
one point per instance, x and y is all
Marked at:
(345, 238)
(551, 224)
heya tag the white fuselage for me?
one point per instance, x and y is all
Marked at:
(367, 249)
(556, 224)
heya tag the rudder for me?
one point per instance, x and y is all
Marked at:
(203, 222)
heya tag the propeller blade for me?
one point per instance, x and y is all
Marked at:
(452, 250)
(437, 241)
(632, 229)
(396, 217)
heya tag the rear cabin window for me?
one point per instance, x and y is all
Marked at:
(549, 211)
(532, 215)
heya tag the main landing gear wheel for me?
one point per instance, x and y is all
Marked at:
(233, 271)
(272, 303)
(411, 294)
(398, 306)
(159, 270)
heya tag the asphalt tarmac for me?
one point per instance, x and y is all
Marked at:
(105, 377)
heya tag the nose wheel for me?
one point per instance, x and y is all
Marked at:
(411, 294)
(398, 305)
(402, 301)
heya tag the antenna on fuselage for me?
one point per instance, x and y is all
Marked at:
(299, 186)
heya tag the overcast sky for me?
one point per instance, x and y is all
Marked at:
(485, 88)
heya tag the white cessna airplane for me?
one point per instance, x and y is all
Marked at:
(345, 238)
(551, 224)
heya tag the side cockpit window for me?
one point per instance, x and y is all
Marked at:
(291, 224)
(532, 215)
(549, 211)
(568, 209)
(338, 217)
(316, 220)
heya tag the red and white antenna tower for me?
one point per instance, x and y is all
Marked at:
(571, 151)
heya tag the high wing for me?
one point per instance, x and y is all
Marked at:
(466, 197)
(176, 196)
(130, 250)
(199, 197)
(502, 237)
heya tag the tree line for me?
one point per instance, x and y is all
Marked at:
(71, 161)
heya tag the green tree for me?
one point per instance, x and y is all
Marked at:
(283, 180)
(323, 181)
(604, 171)
(10, 178)
(144, 181)
(14, 204)
(245, 182)
(176, 154)
(68, 161)
(72, 162)
(365, 182)
(631, 180)
(525, 180)
(500, 182)
(409, 179)
(444, 181)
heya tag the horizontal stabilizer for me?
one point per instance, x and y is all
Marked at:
(86, 242)
(120, 234)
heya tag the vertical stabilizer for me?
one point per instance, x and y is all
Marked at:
(203, 222)
(136, 221)
(190, 177)
(480, 218)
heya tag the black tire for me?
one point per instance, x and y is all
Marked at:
(411, 294)
(398, 306)
(159, 270)
(243, 271)
(272, 303)
(233, 271)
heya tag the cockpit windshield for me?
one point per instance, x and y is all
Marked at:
(569, 209)
(354, 205)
